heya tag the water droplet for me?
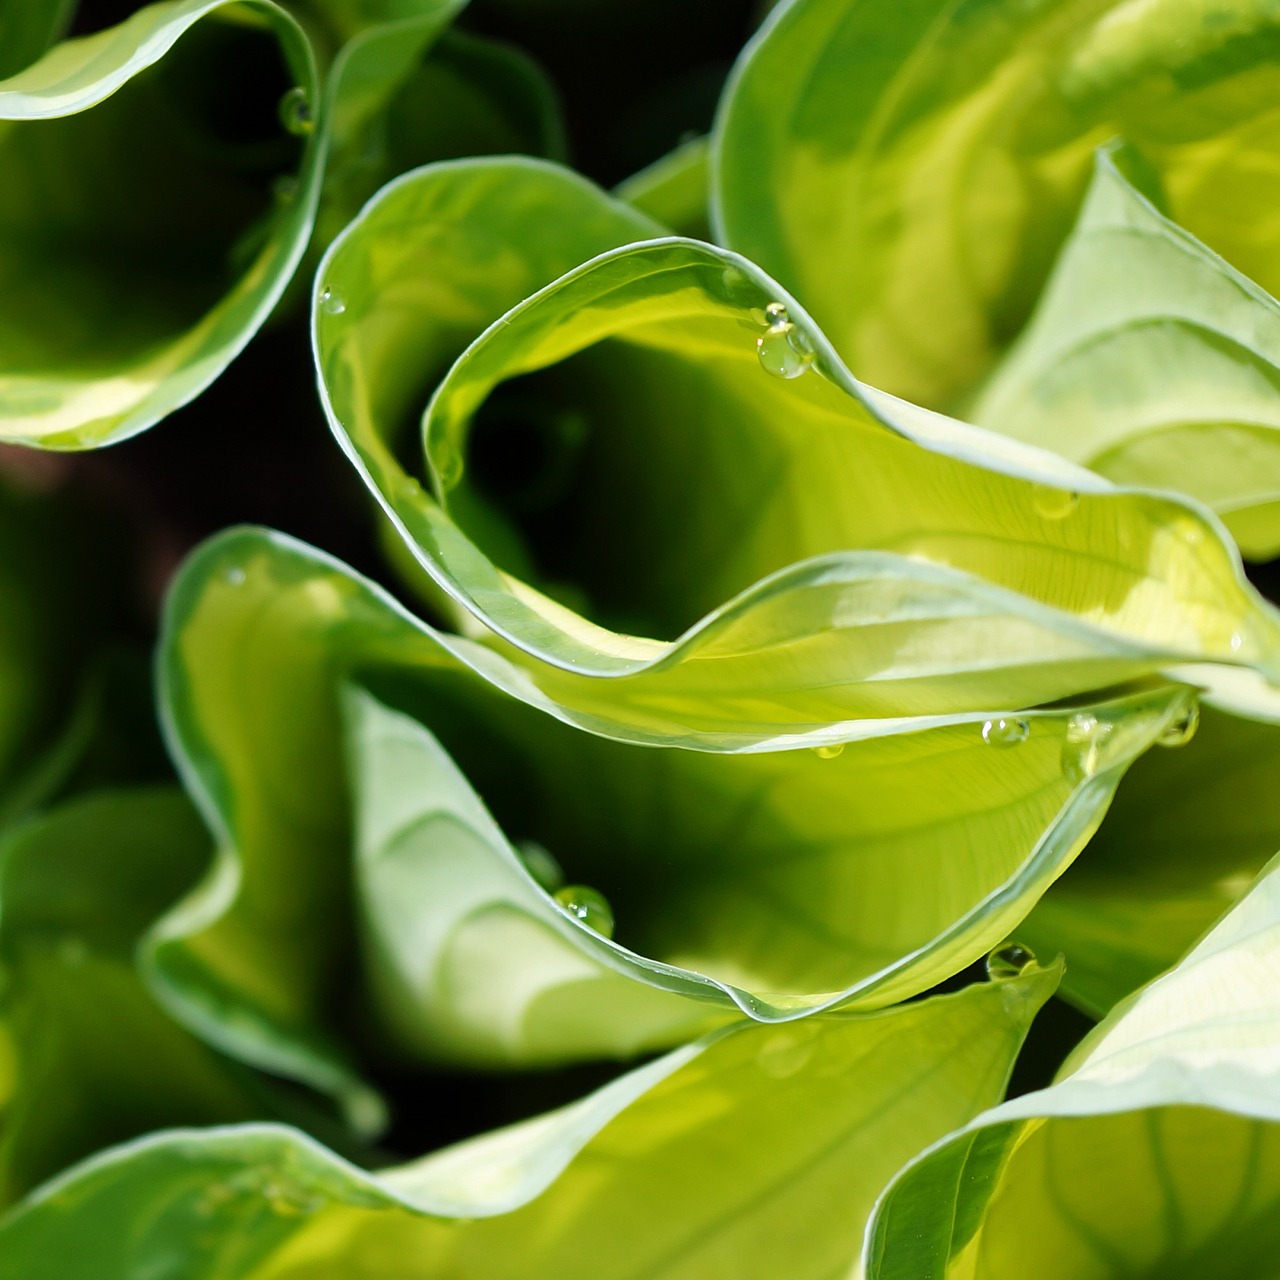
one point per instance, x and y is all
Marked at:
(234, 577)
(828, 750)
(1084, 752)
(785, 1053)
(1190, 532)
(587, 905)
(1008, 960)
(1005, 732)
(449, 470)
(784, 350)
(295, 111)
(1236, 642)
(1053, 503)
(332, 303)
(1182, 728)
(540, 863)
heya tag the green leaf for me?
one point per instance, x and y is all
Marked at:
(1152, 361)
(910, 171)
(499, 101)
(674, 190)
(63, 581)
(1184, 838)
(1157, 1152)
(152, 217)
(773, 883)
(28, 28)
(822, 553)
(755, 1152)
(96, 1061)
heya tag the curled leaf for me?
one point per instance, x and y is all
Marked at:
(1157, 1151)
(730, 1148)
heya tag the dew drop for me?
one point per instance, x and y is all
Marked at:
(1008, 960)
(784, 1053)
(332, 303)
(541, 864)
(295, 111)
(1182, 728)
(588, 906)
(1236, 642)
(1084, 751)
(828, 750)
(1054, 504)
(1005, 732)
(784, 350)
(234, 577)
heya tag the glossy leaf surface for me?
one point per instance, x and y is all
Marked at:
(1157, 1152)
(771, 883)
(1150, 360)
(734, 1147)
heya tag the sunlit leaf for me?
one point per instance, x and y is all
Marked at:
(755, 1152)
(771, 883)
(1152, 361)
(1157, 1152)
(911, 170)
(612, 461)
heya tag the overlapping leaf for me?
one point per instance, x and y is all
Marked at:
(879, 563)
(95, 1059)
(1152, 361)
(1157, 1152)
(774, 883)
(150, 219)
(752, 1152)
(1187, 834)
(910, 171)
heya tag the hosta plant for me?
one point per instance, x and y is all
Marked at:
(801, 632)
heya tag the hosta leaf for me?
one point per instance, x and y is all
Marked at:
(822, 553)
(774, 883)
(754, 1152)
(910, 171)
(1186, 835)
(675, 189)
(1152, 361)
(151, 216)
(1157, 1152)
(61, 589)
(499, 102)
(28, 28)
(96, 1060)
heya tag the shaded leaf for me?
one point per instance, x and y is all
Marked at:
(95, 1060)
(145, 234)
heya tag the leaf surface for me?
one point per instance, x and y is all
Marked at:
(734, 1149)
(148, 230)
(1150, 360)
(1156, 1153)
(911, 172)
